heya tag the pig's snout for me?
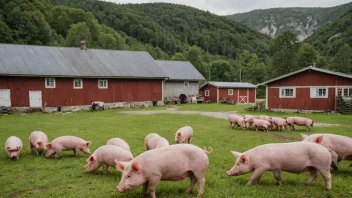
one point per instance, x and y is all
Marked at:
(13, 157)
(228, 173)
(120, 189)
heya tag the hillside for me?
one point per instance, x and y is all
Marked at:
(303, 21)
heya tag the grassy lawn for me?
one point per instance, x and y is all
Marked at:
(34, 176)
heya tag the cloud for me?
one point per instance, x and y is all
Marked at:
(227, 7)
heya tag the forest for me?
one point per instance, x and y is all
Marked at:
(220, 48)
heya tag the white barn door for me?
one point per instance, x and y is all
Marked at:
(35, 98)
(5, 98)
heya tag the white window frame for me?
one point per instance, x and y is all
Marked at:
(228, 92)
(74, 83)
(313, 92)
(46, 84)
(206, 93)
(186, 83)
(284, 88)
(102, 87)
(349, 91)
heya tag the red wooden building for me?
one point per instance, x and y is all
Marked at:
(51, 77)
(237, 91)
(311, 88)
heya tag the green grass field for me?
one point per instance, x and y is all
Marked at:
(34, 176)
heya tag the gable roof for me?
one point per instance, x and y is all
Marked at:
(180, 70)
(230, 85)
(30, 60)
(305, 69)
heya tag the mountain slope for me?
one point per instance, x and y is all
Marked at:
(303, 21)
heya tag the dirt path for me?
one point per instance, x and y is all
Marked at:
(220, 115)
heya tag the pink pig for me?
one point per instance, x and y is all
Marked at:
(291, 121)
(169, 163)
(154, 141)
(294, 157)
(67, 143)
(13, 146)
(119, 142)
(105, 156)
(279, 123)
(236, 121)
(263, 124)
(38, 140)
(184, 135)
(264, 117)
(249, 119)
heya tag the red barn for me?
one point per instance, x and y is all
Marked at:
(237, 91)
(52, 77)
(311, 89)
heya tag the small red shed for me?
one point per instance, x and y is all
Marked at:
(310, 89)
(237, 91)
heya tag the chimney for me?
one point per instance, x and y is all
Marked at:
(313, 64)
(83, 45)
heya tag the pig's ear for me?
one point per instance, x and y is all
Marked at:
(48, 146)
(120, 166)
(244, 159)
(39, 143)
(304, 136)
(319, 139)
(178, 134)
(88, 143)
(236, 154)
(92, 158)
(136, 167)
(8, 148)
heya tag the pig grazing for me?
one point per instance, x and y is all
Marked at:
(37, 141)
(292, 121)
(13, 146)
(154, 141)
(105, 156)
(236, 121)
(294, 157)
(119, 142)
(263, 124)
(169, 163)
(279, 123)
(184, 135)
(66, 143)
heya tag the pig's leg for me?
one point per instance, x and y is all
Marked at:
(152, 186)
(76, 152)
(31, 146)
(189, 140)
(193, 182)
(277, 175)
(313, 176)
(230, 124)
(105, 169)
(308, 128)
(259, 180)
(327, 177)
(57, 155)
(257, 173)
(145, 189)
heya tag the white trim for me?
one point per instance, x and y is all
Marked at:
(228, 93)
(9, 101)
(342, 87)
(103, 87)
(74, 85)
(50, 87)
(217, 93)
(205, 92)
(247, 95)
(255, 95)
(162, 90)
(266, 97)
(315, 86)
(294, 92)
(313, 92)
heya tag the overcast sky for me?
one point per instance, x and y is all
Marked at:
(227, 7)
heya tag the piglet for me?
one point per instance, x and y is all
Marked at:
(169, 163)
(154, 141)
(279, 123)
(105, 156)
(292, 121)
(236, 121)
(13, 146)
(294, 157)
(37, 141)
(262, 124)
(67, 143)
(184, 135)
(119, 142)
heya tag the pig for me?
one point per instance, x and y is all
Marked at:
(169, 163)
(249, 119)
(66, 143)
(279, 123)
(236, 121)
(265, 125)
(264, 117)
(291, 121)
(339, 144)
(37, 141)
(119, 142)
(294, 157)
(154, 141)
(105, 156)
(13, 146)
(184, 135)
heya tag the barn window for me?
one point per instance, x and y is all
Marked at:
(287, 92)
(207, 93)
(230, 92)
(50, 83)
(318, 92)
(103, 84)
(186, 83)
(346, 92)
(77, 83)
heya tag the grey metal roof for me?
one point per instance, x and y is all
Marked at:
(230, 85)
(304, 69)
(30, 60)
(180, 70)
